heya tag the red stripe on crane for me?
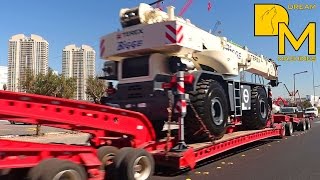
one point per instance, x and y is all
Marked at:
(170, 38)
(180, 89)
(173, 30)
(102, 43)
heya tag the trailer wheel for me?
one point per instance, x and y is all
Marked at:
(55, 169)
(138, 165)
(117, 160)
(289, 129)
(257, 117)
(106, 155)
(210, 102)
(308, 124)
(302, 125)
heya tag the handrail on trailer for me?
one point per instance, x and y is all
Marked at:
(98, 120)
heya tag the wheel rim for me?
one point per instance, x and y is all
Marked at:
(108, 159)
(216, 112)
(263, 109)
(142, 168)
(67, 175)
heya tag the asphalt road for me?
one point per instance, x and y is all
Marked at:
(293, 158)
(7, 129)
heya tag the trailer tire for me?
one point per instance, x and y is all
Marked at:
(302, 125)
(257, 117)
(210, 102)
(55, 168)
(115, 173)
(138, 165)
(308, 124)
(106, 155)
(289, 129)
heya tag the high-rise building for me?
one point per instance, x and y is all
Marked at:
(3, 76)
(26, 54)
(79, 63)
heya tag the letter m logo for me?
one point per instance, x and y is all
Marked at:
(309, 32)
(273, 20)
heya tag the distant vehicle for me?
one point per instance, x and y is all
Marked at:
(312, 111)
(275, 109)
(289, 110)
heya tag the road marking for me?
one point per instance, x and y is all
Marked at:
(223, 162)
(197, 172)
(258, 149)
(243, 155)
(219, 167)
(205, 173)
(230, 163)
(269, 145)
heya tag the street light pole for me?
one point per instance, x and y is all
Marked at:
(294, 85)
(314, 91)
(315, 96)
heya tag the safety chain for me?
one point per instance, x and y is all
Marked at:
(169, 109)
(204, 127)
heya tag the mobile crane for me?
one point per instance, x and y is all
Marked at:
(155, 44)
(154, 55)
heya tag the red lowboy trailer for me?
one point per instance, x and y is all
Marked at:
(111, 130)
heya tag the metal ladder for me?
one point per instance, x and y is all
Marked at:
(237, 99)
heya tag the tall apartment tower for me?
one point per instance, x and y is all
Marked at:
(79, 63)
(26, 54)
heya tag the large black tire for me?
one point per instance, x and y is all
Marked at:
(308, 124)
(106, 155)
(115, 174)
(257, 116)
(210, 102)
(138, 165)
(54, 168)
(289, 129)
(302, 125)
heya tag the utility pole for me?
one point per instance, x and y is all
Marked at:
(314, 91)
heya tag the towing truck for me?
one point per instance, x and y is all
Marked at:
(153, 45)
(124, 144)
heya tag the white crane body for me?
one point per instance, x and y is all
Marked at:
(155, 44)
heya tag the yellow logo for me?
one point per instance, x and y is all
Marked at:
(273, 20)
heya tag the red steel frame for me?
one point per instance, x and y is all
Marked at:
(17, 154)
(107, 125)
(192, 156)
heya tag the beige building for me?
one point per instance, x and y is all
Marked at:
(79, 63)
(26, 53)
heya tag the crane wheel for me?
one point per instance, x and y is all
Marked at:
(210, 102)
(257, 117)
(289, 129)
(57, 169)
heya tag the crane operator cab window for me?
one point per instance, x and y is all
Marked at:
(135, 67)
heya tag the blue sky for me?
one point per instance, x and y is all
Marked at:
(79, 22)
